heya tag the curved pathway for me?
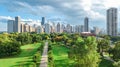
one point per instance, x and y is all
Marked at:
(44, 59)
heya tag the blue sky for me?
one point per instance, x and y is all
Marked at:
(69, 11)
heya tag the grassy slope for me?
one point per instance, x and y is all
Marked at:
(61, 57)
(24, 58)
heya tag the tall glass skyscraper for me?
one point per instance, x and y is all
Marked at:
(43, 21)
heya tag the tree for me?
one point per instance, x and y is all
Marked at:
(117, 64)
(103, 46)
(116, 51)
(84, 52)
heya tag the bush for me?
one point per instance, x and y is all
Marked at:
(9, 48)
(117, 64)
(50, 56)
(36, 57)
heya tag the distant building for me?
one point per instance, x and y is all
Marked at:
(17, 24)
(47, 28)
(81, 28)
(10, 26)
(86, 24)
(96, 30)
(43, 21)
(62, 28)
(26, 28)
(68, 28)
(58, 28)
(22, 27)
(112, 21)
(40, 29)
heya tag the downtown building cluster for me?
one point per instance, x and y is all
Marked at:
(16, 25)
(49, 27)
(19, 26)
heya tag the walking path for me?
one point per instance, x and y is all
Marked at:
(44, 59)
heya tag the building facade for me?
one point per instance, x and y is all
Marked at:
(112, 21)
(17, 24)
(86, 24)
(43, 21)
(10, 26)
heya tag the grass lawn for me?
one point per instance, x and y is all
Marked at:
(24, 58)
(61, 57)
(105, 63)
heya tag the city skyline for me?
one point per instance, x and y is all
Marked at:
(69, 11)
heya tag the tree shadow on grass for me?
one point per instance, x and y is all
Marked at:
(24, 53)
(26, 64)
(63, 63)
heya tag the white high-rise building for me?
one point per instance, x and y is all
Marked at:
(10, 26)
(112, 21)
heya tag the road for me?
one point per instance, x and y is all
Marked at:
(44, 59)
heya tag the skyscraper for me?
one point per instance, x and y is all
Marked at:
(58, 28)
(17, 24)
(96, 30)
(86, 24)
(10, 26)
(43, 21)
(112, 21)
(47, 28)
(68, 28)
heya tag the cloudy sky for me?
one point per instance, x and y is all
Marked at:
(68, 11)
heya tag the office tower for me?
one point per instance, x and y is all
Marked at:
(82, 28)
(53, 26)
(10, 26)
(68, 28)
(62, 28)
(43, 21)
(30, 28)
(71, 29)
(17, 24)
(26, 28)
(39, 29)
(86, 24)
(58, 28)
(112, 21)
(47, 28)
(96, 30)
(22, 27)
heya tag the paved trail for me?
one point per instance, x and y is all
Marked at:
(44, 59)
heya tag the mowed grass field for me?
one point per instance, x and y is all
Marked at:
(60, 55)
(24, 59)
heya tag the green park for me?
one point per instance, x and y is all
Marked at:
(64, 50)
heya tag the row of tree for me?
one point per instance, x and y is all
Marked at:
(10, 43)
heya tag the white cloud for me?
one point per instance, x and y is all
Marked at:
(71, 10)
(5, 18)
(111, 3)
